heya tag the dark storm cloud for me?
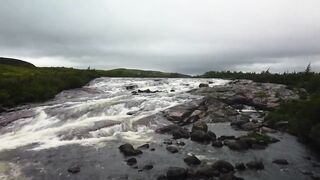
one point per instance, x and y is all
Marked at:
(171, 35)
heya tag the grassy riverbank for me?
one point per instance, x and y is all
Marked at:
(22, 82)
(302, 115)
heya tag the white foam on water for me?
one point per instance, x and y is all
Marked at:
(82, 117)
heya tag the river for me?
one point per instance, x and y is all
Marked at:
(85, 127)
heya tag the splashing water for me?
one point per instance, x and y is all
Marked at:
(101, 111)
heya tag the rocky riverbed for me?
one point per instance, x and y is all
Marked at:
(155, 129)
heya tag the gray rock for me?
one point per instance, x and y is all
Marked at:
(176, 173)
(131, 161)
(257, 165)
(128, 150)
(217, 143)
(172, 149)
(240, 166)
(223, 166)
(74, 169)
(280, 161)
(192, 160)
(200, 126)
(200, 136)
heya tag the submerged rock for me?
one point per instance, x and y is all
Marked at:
(128, 150)
(172, 149)
(131, 161)
(280, 161)
(257, 165)
(74, 169)
(175, 130)
(192, 160)
(177, 173)
(223, 166)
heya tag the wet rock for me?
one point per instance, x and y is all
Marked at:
(134, 93)
(172, 149)
(128, 150)
(249, 126)
(176, 131)
(200, 126)
(200, 136)
(145, 146)
(257, 165)
(237, 145)
(192, 160)
(131, 161)
(229, 176)
(222, 138)
(177, 173)
(147, 91)
(212, 135)
(223, 166)
(74, 169)
(205, 171)
(152, 149)
(172, 90)
(168, 141)
(203, 85)
(240, 166)
(258, 146)
(267, 130)
(147, 167)
(180, 143)
(217, 143)
(131, 87)
(280, 161)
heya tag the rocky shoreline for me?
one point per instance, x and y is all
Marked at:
(242, 103)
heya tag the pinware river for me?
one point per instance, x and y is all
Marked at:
(85, 127)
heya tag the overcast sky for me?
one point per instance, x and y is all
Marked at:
(188, 36)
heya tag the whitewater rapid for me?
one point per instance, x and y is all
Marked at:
(104, 110)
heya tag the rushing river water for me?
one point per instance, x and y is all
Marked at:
(85, 126)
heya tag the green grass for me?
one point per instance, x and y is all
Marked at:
(21, 84)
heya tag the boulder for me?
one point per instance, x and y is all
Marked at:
(201, 85)
(257, 165)
(217, 143)
(145, 146)
(200, 126)
(222, 138)
(192, 160)
(74, 169)
(172, 149)
(237, 145)
(131, 161)
(229, 176)
(223, 166)
(249, 126)
(200, 136)
(176, 131)
(280, 161)
(128, 150)
(212, 135)
(131, 87)
(147, 167)
(177, 173)
(240, 166)
(205, 171)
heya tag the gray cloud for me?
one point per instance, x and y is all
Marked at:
(171, 35)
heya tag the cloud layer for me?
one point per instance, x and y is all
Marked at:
(172, 35)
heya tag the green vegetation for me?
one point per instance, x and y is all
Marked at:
(303, 115)
(15, 62)
(139, 73)
(22, 82)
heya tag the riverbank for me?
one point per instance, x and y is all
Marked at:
(24, 83)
